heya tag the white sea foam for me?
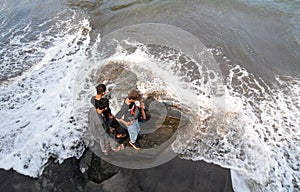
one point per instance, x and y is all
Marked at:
(37, 107)
(260, 140)
(243, 124)
(255, 132)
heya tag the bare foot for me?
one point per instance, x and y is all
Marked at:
(120, 148)
(105, 152)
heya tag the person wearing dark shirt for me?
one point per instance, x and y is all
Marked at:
(109, 118)
(107, 139)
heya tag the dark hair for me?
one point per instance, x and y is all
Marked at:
(133, 94)
(102, 104)
(101, 88)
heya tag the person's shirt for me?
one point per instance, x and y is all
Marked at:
(104, 123)
(130, 113)
(95, 102)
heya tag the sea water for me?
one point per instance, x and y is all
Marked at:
(245, 110)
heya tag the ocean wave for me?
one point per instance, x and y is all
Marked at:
(37, 106)
(238, 121)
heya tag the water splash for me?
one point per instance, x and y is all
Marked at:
(232, 116)
(260, 140)
(37, 106)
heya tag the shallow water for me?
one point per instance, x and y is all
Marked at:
(246, 107)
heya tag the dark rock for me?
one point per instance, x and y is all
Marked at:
(100, 170)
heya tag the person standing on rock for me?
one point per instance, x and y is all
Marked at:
(130, 112)
(110, 119)
(106, 139)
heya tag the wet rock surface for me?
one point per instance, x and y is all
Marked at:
(91, 173)
(176, 175)
(99, 170)
(160, 135)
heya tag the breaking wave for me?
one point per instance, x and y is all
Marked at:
(236, 119)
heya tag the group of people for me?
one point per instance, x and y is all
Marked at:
(124, 123)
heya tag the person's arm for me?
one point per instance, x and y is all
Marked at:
(121, 113)
(142, 108)
(100, 111)
(124, 122)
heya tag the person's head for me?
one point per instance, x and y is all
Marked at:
(100, 89)
(133, 95)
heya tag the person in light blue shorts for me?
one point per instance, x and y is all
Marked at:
(130, 112)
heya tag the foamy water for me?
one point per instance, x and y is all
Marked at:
(251, 128)
(37, 106)
(239, 121)
(259, 138)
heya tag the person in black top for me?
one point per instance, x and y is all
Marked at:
(106, 140)
(109, 118)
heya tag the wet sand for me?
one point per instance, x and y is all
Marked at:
(176, 175)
